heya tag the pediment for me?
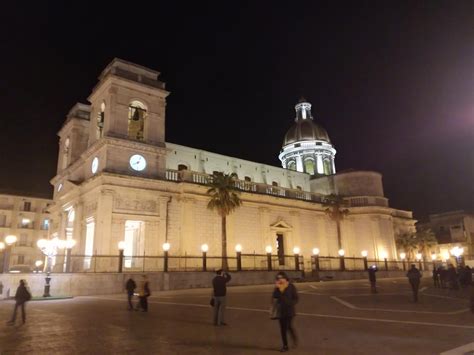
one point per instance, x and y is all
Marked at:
(281, 224)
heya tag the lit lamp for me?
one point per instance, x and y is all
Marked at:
(7, 248)
(342, 265)
(316, 258)
(68, 245)
(204, 249)
(38, 263)
(456, 252)
(166, 248)
(418, 257)
(296, 252)
(238, 250)
(403, 257)
(268, 249)
(121, 248)
(364, 254)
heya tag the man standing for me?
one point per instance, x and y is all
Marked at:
(373, 279)
(436, 276)
(219, 284)
(22, 295)
(130, 286)
(414, 276)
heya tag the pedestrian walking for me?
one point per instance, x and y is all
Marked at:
(219, 285)
(436, 276)
(414, 276)
(443, 276)
(22, 296)
(285, 297)
(143, 294)
(373, 279)
(130, 286)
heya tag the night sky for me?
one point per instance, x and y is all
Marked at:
(393, 85)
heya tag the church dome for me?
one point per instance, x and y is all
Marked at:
(305, 130)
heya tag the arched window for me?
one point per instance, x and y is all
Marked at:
(247, 178)
(100, 120)
(274, 183)
(292, 165)
(136, 120)
(299, 188)
(309, 166)
(182, 167)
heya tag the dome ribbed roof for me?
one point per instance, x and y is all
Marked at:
(305, 130)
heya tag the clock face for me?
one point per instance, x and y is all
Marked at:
(137, 162)
(95, 165)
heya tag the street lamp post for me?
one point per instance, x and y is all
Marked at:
(403, 256)
(268, 249)
(316, 258)
(8, 245)
(49, 247)
(419, 257)
(204, 249)
(166, 248)
(296, 252)
(385, 261)
(121, 248)
(364, 254)
(342, 264)
(238, 250)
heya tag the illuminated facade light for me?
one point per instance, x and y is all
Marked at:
(204, 248)
(296, 250)
(268, 249)
(315, 251)
(238, 248)
(166, 246)
(341, 252)
(364, 253)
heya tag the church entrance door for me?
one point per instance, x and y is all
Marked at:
(280, 249)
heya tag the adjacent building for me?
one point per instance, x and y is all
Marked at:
(28, 219)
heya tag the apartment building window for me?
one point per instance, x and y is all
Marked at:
(45, 224)
(26, 206)
(21, 259)
(25, 223)
(23, 240)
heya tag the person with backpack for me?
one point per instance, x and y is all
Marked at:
(22, 296)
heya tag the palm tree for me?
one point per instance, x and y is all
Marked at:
(336, 212)
(407, 242)
(224, 198)
(425, 239)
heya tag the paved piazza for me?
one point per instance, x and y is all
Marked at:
(333, 318)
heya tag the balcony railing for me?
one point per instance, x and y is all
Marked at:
(247, 186)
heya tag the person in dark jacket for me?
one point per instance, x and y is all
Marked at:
(130, 286)
(443, 276)
(468, 271)
(286, 297)
(22, 296)
(373, 279)
(453, 277)
(219, 285)
(414, 276)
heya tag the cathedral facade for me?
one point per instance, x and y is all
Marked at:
(119, 180)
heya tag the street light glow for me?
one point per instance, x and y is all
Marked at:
(433, 256)
(403, 256)
(418, 256)
(2, 245)
(166, 246)
(457, 251)
(341, 252)
(204, 248)
(364, 253)
(238, 248)
(315, 251)
(42, 243)
(296, 250)
(10, 239)
(70, 243)
(268, 249)
(38, 263)
(121, 245)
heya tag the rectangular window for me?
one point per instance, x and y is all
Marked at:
(27, 206)
(21, 259)
(45, 225)
(25, 223)
(23, 240)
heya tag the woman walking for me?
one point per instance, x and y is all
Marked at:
(285, 298)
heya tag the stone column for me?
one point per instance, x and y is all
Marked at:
(333, 165)
(104, 223)
(319, 164)
(299, 163)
